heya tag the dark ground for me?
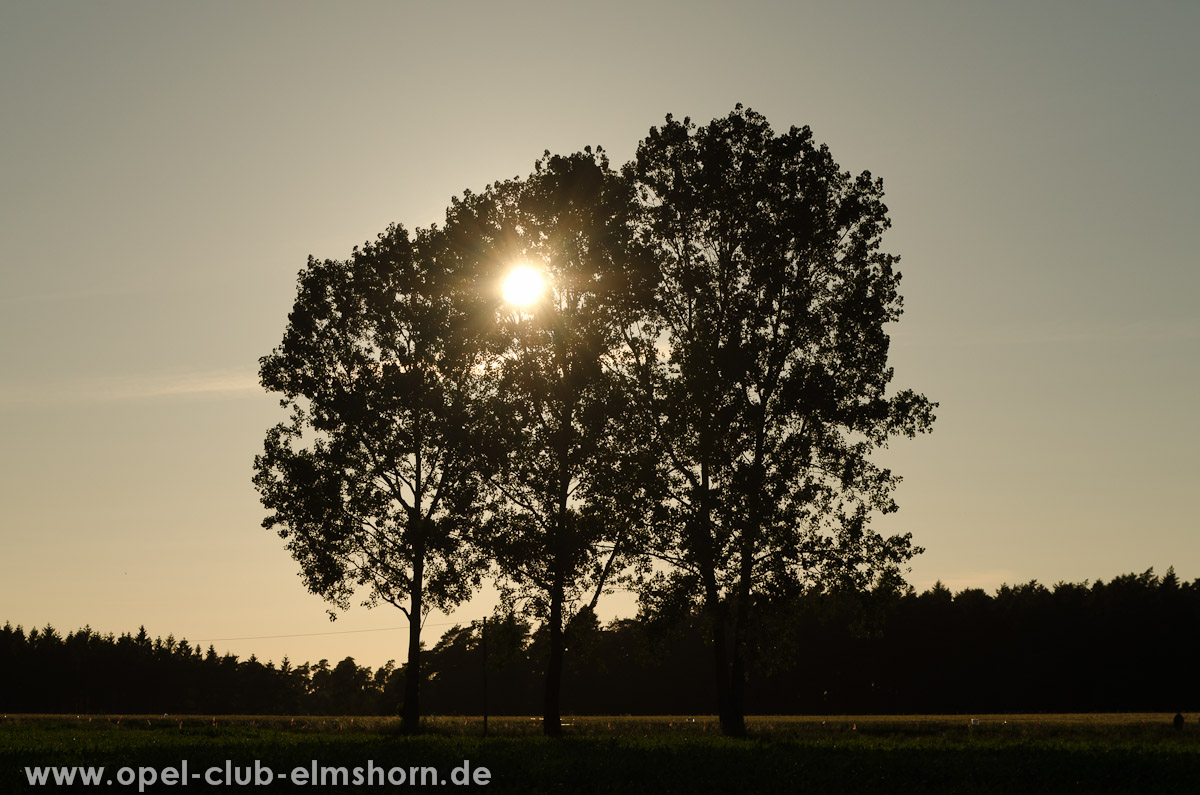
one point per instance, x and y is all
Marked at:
(1003, 754)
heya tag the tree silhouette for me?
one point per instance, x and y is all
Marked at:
(762, 370)
(375, 480)
(566, 480)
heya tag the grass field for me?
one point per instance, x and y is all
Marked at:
(871, 754)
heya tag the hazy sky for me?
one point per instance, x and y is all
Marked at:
(166, 168)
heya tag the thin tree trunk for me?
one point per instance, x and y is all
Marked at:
(717, 611)
(735, 722)
(410, 717)
(741, 614)
(552, 718)
(552, 714)
(721, 665)
(731, 722)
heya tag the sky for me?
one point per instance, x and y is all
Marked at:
(167, 168)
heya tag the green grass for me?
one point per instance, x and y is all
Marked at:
(1011, 753)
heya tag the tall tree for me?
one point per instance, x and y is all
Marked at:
(763, 372)
(565, 491)
(375, 480)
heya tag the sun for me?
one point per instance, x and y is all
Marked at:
(523, 285)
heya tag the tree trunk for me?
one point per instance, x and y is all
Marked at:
(721, 666)
(410, 716)
(551, 718)
(720, 642)
(734, 722)
(728, 711)
(735, 725)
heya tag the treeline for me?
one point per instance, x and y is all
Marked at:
(87, 672)
(1126, 645)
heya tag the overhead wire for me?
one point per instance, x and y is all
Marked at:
(316, 634)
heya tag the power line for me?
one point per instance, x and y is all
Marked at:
(315, 634)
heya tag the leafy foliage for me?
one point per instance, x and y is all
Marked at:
(762, 369)
(704, 381)
(565, 483)
(375, 481)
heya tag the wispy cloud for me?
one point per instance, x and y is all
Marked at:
(111, 389)
(81, 294)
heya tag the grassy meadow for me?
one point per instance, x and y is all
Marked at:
(872, 754)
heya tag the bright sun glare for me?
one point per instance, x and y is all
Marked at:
(523, 285)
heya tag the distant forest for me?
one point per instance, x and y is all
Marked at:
(1130, 644)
